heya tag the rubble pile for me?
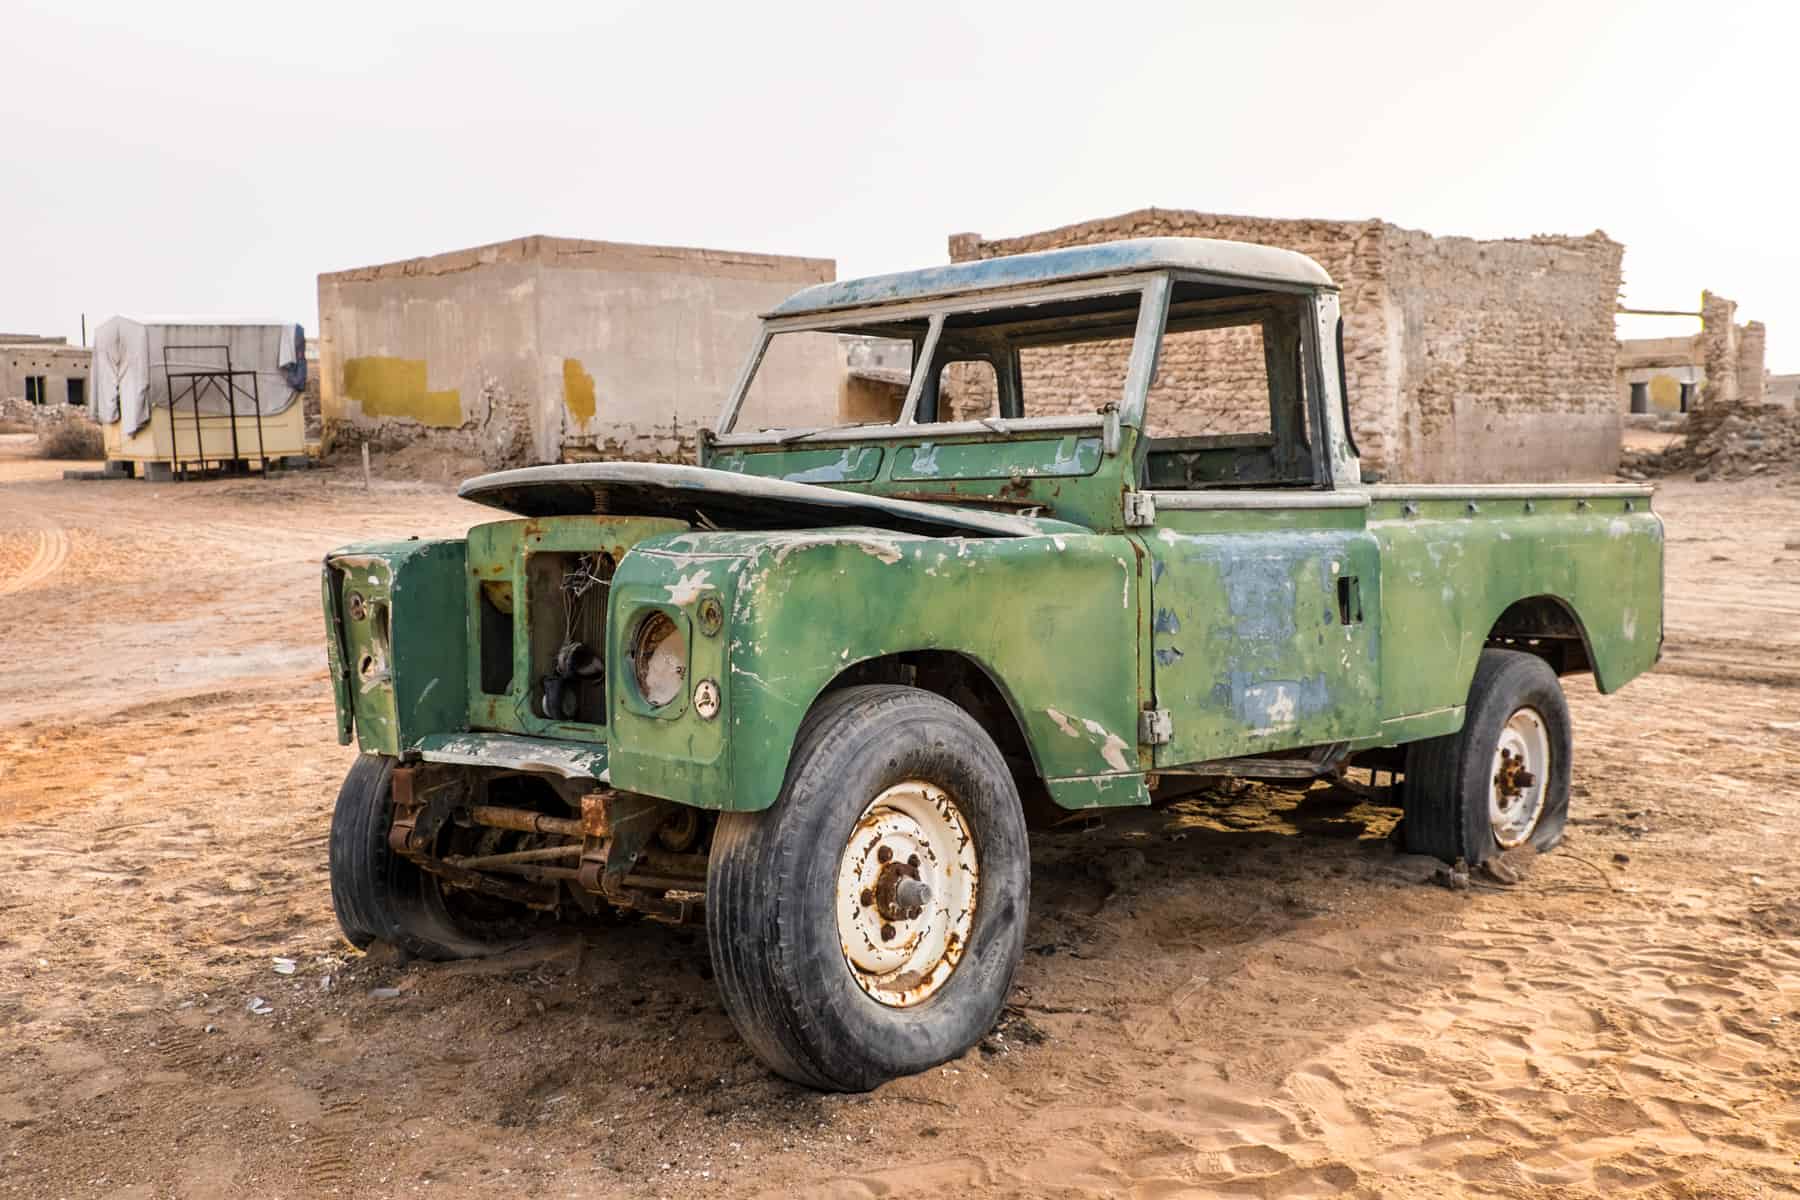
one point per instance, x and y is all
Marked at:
(19, 415)
(1726, 441)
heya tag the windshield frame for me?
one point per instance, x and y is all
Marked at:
(1149, 289)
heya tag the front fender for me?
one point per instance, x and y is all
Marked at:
(1053, 619)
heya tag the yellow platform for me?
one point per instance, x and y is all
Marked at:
(283, 434)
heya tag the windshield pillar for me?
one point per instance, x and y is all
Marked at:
(1146, 345)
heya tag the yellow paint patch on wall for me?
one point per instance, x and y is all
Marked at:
(395, 387)
(578, 392)
(1665, 394)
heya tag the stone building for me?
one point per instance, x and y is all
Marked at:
(1660, 377)
(1721, 364)
(43, 371)
(542, 348)
(1783, 391)
(1466, 361)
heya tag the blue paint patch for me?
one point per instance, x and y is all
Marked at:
(847, 466)
(1259, 592)
(1166, 620)
(1169, 656)
(1269, 705)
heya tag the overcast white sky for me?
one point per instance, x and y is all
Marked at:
(188, 157)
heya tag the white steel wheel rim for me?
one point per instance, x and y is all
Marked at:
(901, 944)
(1520, 777)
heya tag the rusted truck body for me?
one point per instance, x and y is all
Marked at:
(813, 690)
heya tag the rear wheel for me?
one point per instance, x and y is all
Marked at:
(1503, 779)
(868, 924)
(379, 895)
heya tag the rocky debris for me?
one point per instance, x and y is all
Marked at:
(1726, 441)
(1455, 877)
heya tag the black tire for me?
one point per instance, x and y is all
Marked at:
(770, 921)
(376, 893)
(1447, 778)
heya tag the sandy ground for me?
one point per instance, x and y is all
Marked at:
(1245, 995)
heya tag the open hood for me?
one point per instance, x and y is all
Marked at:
(712, 499)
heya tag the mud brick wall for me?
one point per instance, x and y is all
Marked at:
(1507, 354)
(1718, 349)
(1475, 361)
(1751, 374)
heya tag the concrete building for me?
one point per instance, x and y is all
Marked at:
(1721, 364)
(1660, 377)
(43, 370)
(542, 348)
(1467, 361)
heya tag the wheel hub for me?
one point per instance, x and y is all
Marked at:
(907, 883)
(1521, 771)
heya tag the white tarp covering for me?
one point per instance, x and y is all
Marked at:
(135, 361)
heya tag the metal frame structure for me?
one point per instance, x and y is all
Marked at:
(222, 382)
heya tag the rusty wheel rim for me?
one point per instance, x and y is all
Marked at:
(1519, 778)
(906, 892)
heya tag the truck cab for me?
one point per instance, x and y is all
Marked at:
(1094, 525)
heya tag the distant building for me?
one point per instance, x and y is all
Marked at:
(1660, 376)
(1783, 390)
(1722, 363)
(1467, 361)
(541, 349)
(43, 370)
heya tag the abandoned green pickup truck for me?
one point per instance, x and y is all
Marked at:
(1097, 530)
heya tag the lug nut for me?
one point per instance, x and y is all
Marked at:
(887, 933)
(911, 895)
(868, 897)
(885, 853)
(913, 861)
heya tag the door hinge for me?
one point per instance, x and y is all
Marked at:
(1140, 509)
(1155, 727)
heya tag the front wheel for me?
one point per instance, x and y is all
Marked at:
(1503, 779)
(868, 924)
(376, 893)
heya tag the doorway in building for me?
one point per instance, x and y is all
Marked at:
(77, 391)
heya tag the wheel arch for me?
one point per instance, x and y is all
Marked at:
(1548, 626)
(973, 686)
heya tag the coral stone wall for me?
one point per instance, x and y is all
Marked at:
(1751, 374)
(1507, 356)
(1214, 381)
(1465, 360)
(1718, 349)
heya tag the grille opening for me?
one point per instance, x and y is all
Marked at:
(567, 593)
(496, 638)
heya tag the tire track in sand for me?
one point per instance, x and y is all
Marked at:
(51, 553)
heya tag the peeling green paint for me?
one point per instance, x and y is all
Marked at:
(1256, 618)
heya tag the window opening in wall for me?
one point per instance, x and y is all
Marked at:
(1687, 396)
(969, 390)
(36, 391)
(77, 391)
(1640, 397)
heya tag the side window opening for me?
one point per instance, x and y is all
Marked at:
(1227, 407)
